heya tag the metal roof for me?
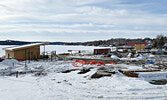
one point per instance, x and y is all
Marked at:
(24, 46)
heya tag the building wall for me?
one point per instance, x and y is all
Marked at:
(9, 54)
(101, 51)
(139, 47)
(31, 53)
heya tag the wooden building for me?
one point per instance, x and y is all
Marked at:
(24, 52)
(102, 51)
(139, 47)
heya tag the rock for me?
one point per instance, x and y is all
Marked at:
(158, 82)
(84, 70)
(59, 82)
(40, 74)
(53, 79)
(68, 71)
(1, 59)
(100, 74)
(65, 80)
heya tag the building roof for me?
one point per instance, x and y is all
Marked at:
(133, 44)
(102, 48)
(24, 46)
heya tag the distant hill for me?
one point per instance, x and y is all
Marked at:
(13, 42)
(119, 41)
(110, 42)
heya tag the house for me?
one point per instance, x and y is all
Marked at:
(24, 52)
(102, 51)
(137, 46)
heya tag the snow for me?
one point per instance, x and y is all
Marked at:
(2, 52)
(151, 56)
(73, 86)
(64, 48)
(114, 57)
(148, 76)
(22, 46)
(23, 88)
(136, 57)
(9, 62)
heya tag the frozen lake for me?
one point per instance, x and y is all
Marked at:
(58, 48)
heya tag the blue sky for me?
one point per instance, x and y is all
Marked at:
(81, 20)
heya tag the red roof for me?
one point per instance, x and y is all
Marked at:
(133, 44)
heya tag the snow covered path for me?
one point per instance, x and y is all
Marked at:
(74, 86)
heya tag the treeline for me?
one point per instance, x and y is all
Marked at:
(117, 42)
(157, 42)
(113, 42)
(13, 42)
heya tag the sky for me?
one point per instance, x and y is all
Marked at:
(81, 20)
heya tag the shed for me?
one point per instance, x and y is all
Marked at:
(102, 51)
(24, 52)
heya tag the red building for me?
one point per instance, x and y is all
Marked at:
(102, 51)
(133, 44)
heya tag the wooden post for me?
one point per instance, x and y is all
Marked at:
(28, 55)
(25, 58)
(51, 56)
(44, 53)
(17, 74)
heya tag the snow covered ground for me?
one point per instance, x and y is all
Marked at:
(73, 86)
(55, 85)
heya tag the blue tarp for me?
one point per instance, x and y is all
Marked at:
(150, 62)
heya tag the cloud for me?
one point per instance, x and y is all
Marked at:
(73, 18)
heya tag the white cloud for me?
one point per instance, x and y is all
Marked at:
(78, 16)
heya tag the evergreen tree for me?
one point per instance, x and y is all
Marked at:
(159, 41)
